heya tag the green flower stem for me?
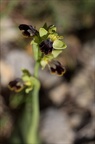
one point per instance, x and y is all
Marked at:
(36, 69)
(33, 133)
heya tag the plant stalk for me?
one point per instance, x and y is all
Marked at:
(33, 133)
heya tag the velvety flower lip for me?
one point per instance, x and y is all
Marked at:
(28, 30)
(57, 68)
(16, 85)
(46, 46)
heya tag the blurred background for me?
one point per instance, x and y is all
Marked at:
(67, 103)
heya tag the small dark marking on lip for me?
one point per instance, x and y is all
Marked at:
(46, 46)
(57, 68)
(16, 85)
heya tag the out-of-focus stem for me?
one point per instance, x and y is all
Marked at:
(33, 130)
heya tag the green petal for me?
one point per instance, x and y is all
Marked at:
(28, 89)
(43, 63)
(42, 32)
(45, 60)
(56, 53)
(52, 29)
(26, 72)
(25, 78)
(58, 44)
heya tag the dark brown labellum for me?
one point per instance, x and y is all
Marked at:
(46, 46)
(16, 85)
(28, 30)
(58, 69)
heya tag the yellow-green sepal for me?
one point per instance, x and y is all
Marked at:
(55, 53)
(58, 44)
(42, 32)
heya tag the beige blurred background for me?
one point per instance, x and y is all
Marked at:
(67, 103)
